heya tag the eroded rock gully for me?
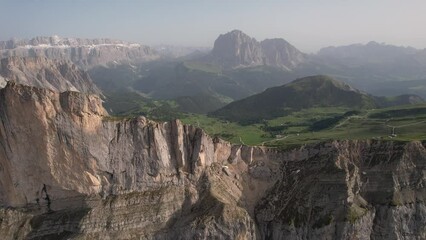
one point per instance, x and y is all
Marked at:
(136, 179)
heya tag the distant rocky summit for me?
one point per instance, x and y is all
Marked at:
(278, 52)
(55, 74)
(236, 49)
(85, 53)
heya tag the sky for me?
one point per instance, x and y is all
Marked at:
(307, 24)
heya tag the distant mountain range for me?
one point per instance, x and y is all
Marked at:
(86, 53)
(372, 52)
(238, 66)
(308, 92)
(368, 65)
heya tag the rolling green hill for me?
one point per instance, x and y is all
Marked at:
(308, 92)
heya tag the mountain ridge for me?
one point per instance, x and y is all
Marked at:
(86, 53)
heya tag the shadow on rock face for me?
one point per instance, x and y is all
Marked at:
(61, 224)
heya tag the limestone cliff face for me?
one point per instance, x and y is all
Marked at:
(69, 171)
(64, 146)
(85, 53)
(236, 49)
(278, 52)
(349, 190)
(57, 75)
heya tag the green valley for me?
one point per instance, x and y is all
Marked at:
(404, 122)
(307, 110)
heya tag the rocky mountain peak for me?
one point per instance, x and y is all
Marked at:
(236, 32)
(279, 52)
(236, 49)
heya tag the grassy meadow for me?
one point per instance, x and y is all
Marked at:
(405, 122)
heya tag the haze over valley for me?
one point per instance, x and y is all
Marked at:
(237, 66)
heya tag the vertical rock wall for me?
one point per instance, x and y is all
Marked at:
(70, 171)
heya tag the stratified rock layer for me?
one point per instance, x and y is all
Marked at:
(349, 190)
(67, 170)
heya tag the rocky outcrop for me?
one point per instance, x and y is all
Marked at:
(236, 49)
(350, 190)
(70, 171)
(85, 53)
(278, 52)
(60, 152)
(57, 75)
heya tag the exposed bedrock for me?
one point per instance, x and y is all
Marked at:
(68, 170)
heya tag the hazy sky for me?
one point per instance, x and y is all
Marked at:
(307, 24)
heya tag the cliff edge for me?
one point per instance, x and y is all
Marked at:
(70, 171)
